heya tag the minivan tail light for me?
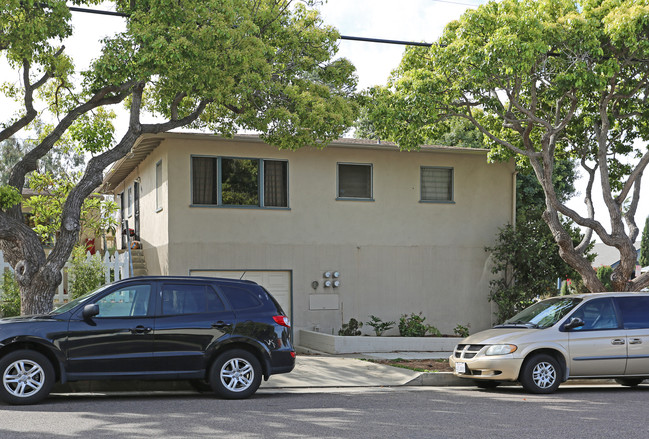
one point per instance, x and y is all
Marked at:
(282, 320)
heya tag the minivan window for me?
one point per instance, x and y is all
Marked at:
(542, 314)
(635, 311)
(597, 314)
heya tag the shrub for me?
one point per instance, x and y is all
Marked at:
(86, 273)
(379, 325)
(462, 331)
(9, 296)
(604, 275)
(351, 328)
(413, 326)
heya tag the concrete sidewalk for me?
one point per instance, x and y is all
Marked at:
(321, 371)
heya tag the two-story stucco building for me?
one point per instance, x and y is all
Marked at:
(354, 229)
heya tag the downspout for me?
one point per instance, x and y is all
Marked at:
(513, 214)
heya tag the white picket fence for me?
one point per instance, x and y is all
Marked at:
(118, 265)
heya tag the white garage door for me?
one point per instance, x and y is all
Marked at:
(278, 283)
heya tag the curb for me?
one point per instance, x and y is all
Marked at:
(447, 379)
(441, 379)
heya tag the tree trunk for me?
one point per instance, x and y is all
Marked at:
(38, 296)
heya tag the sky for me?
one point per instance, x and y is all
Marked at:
(404, 20)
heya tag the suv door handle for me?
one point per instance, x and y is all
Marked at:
(635, 341)
(221, 324)
(617, 341)
(140, 330)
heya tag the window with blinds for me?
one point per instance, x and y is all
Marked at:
(436, 184)
(355, 181)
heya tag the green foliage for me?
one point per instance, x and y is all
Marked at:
(526, 258)
(413, 326)
(564, 289)
(9, 296)
(644, 245)
(9, 197)
(86, 273)
(453, 132)
(216, 65)
(461, 330)
(96, 213)
(527, 262)
(94, 133)
(544, 81)
(62, 159)
(604, 275)
(351, 328)
(379, 325)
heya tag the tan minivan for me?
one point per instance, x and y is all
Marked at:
(603, 335)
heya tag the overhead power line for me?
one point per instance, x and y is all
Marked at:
(342, 37)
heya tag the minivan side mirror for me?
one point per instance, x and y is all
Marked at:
(574, 322)
(90, 311)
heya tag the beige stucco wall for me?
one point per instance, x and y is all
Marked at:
(154, 223)
(395, 255)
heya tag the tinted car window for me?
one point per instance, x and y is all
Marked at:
(131, 301)
(243, 298)
(189, 299)
(635, 312)
(597, 314)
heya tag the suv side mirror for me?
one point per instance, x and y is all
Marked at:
(90, 311)
(574, 322)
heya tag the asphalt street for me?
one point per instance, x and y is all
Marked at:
(601, 411)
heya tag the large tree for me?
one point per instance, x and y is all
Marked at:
(222, 65)
(552, 79)
(644, 245)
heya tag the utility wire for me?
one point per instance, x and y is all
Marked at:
(342, 37)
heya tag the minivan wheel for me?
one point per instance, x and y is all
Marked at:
(540, 374)
(235, 374)
(27, 377)
(629, 382)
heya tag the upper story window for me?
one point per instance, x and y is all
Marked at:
(355, 181)
(130, 200)
(158, 186)
(436, 184)
(225, 181)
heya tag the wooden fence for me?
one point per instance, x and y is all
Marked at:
(116, 266)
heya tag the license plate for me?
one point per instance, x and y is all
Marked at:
(460, 367)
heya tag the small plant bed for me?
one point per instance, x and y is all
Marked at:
(417, 365)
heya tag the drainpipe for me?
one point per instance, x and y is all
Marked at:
(514, 199)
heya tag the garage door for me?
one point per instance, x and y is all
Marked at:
(278, 283)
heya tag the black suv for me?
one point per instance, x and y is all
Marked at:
(221, 333)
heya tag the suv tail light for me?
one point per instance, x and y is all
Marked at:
(282, 320)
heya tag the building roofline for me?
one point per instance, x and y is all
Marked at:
(146, 143)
